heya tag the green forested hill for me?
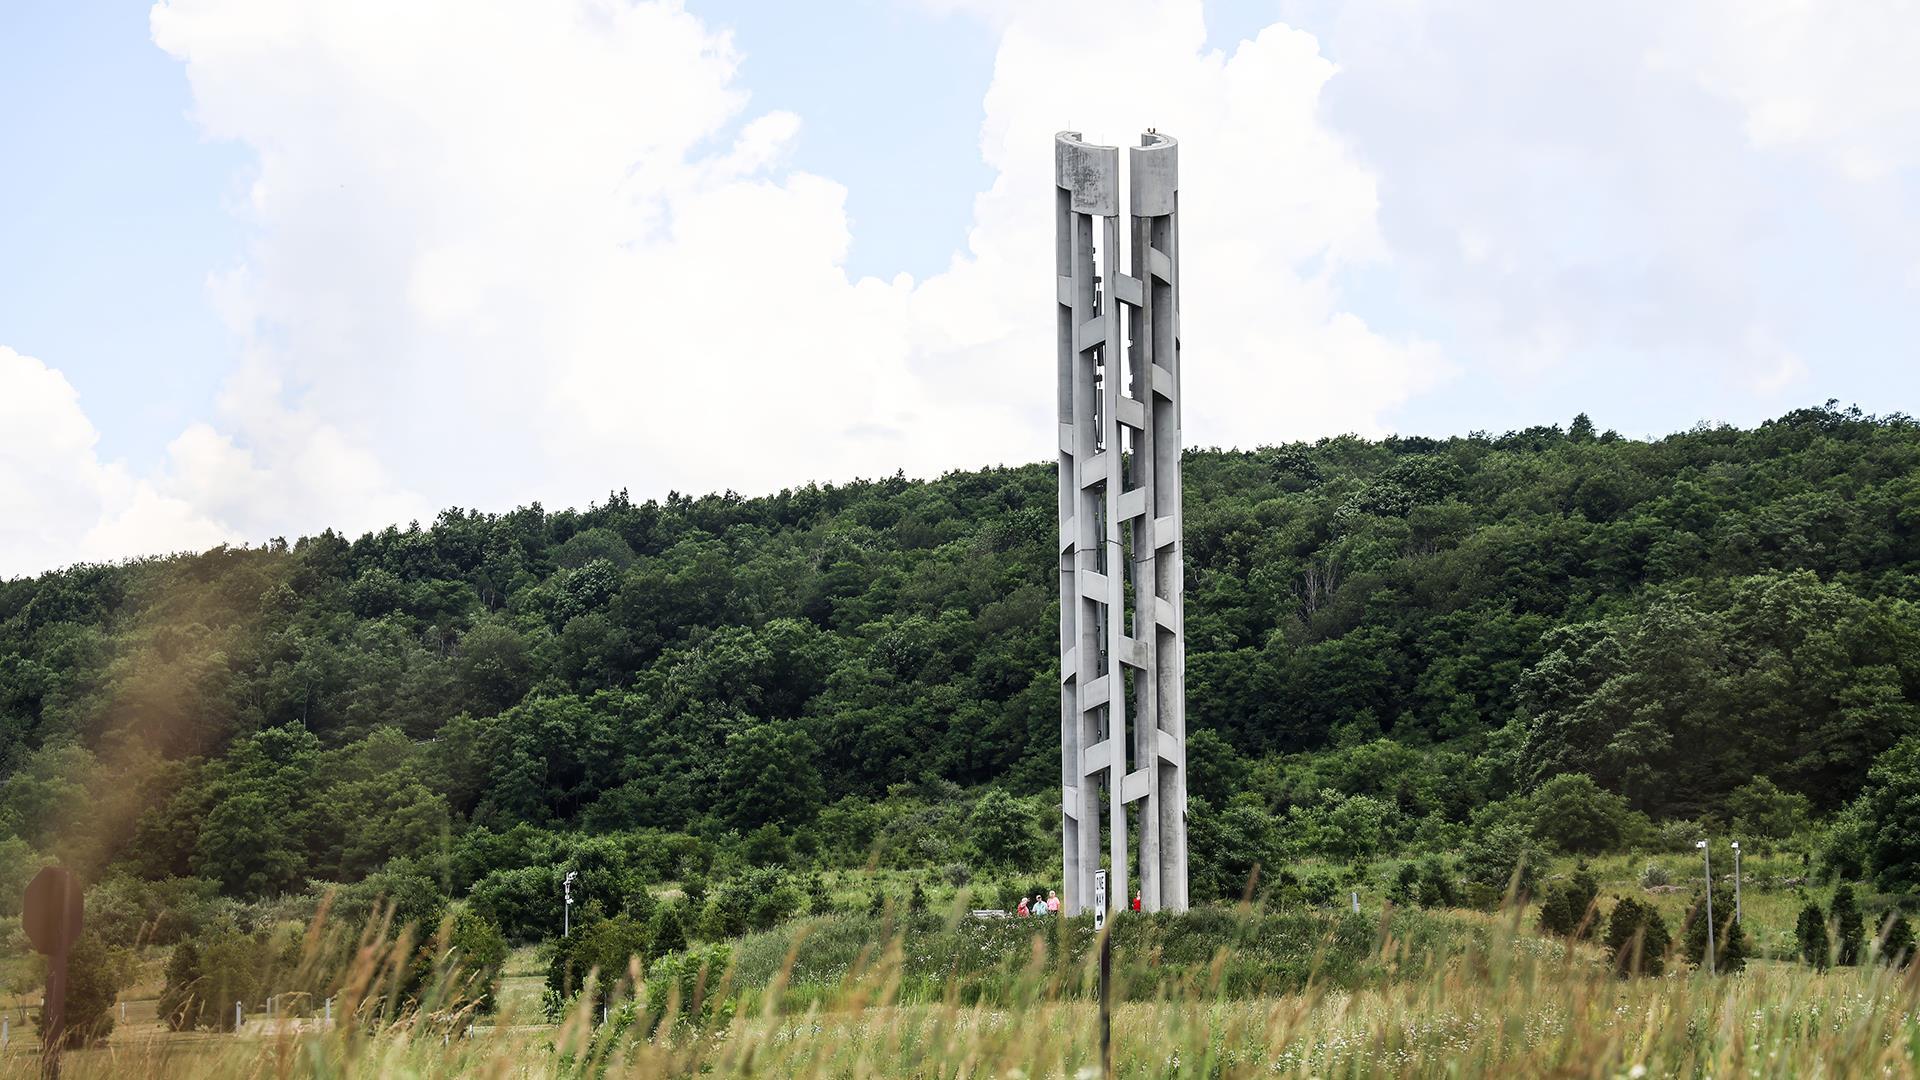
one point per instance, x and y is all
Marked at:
(1385, 638)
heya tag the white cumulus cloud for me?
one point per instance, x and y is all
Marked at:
(1708, 198)
(542, 250)
(1830, 79)
(59, 503)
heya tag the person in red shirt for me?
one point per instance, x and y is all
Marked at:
(1021, 911)
(1136, 901)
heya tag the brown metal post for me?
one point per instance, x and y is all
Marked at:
(53, 1013)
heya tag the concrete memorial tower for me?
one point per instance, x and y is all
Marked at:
(1122, 647)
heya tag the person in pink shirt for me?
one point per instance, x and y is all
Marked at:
(1053, 902)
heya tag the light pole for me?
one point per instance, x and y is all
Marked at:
(1736, 881)
(1707, 860)
(566, 911)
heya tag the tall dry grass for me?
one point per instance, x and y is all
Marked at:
(1504, 1005)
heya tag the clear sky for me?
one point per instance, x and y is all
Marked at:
(268, 266)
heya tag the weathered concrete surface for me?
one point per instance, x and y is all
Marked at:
(1122, 647)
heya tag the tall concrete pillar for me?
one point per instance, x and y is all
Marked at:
(1122, 652)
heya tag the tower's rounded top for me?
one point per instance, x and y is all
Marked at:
(1153, 175)
(1089, 173)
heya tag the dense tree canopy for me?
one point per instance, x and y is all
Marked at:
(1888, 814)
(1386, 639)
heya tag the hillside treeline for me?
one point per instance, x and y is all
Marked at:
(1386, 638)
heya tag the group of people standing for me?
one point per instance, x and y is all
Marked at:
(1050, 904)
(1039, 905)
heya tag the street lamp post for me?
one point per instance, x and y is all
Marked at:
(1736, 881)
(566, 912)
(1707, 860)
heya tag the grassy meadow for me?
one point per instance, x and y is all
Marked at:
(1220, 992)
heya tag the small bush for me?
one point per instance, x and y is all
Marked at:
(1676, 836)
(1841, 851)
(669, 929)
(519, 901)
(1567, 910)
(1427, 883)
(96, 973)
(1810, 935)
(1556, 914)
(1502, 857)
(1637, 938)
(1654, 875)
(686, 983)
(478, 951)
(1320, 888)
(1404, 890)
(1574, 814)
(179, 1007)
(1730, 944)
(233, 967)
(767, 846)
(1001, 828)
(818, 902)
(1438, 885)
(754, 899)
(1849, 928)
(1482, 897)
(1896, 940)
(603, 945)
